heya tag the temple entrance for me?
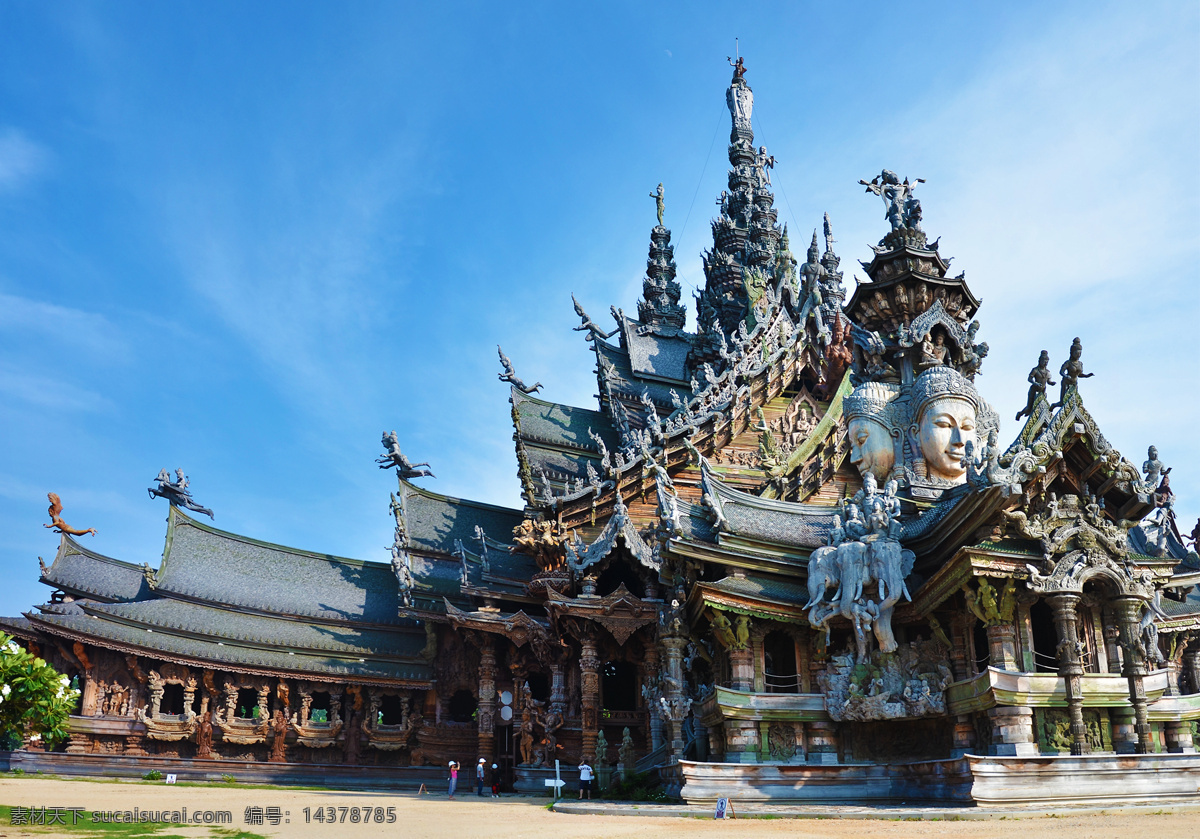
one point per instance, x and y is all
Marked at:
(779, 663)
(463, 706)
(172, 699)
(619, 686)
(1045, 637)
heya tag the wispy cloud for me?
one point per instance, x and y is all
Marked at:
(47, 390)
(62, 326)
(21, 159)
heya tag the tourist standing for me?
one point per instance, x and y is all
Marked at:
(480, 771)
(453, 777)
(495, 781)
(585, 779)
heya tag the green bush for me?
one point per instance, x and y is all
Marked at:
(34, 697)
(152, 775)
(641, 787)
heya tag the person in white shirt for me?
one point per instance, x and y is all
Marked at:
(585, 779)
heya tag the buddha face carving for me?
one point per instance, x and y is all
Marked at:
(871, 449)
(945, 426)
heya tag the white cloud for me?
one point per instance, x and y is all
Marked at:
(21, 159)
(62, 326)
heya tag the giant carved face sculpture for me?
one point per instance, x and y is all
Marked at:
(946, 406)
(869, 423)
(946, 426)
(871, 449)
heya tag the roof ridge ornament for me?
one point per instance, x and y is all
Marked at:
(1071, 372)
(177, 492)
(902, 208)
(392, 456)
(510, 375)
(56, 522)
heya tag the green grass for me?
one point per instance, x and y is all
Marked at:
(226, 780)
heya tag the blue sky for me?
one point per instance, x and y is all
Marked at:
(245, 239)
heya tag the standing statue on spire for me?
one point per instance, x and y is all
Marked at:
(739, 97)
(1071, 372)
(902, 208)
(739, 69)
(659, 202)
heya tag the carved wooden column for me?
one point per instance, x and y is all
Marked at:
(676, 704)
(653, 677)
(1191, 660)
(589, 671)
(1070, 667)
(960, 666)
(487, 697)
(1002, 646)
(1129, 616)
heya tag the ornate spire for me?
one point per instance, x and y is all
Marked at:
(659, 310)
(746, 234)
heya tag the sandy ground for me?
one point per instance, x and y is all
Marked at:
(468, 817)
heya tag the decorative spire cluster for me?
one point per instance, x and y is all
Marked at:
(749, 250)
(660, 311)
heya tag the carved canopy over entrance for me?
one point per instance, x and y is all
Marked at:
(1079, 544)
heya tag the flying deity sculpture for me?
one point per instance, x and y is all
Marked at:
(177, 492)
(392, 456)
(902, 208)
(510, 375)
(56, 522)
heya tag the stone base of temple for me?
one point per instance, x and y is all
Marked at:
(983, 780)
(408, 778)
(1087, 779)
(936, 780)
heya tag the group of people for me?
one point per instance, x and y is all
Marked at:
(482, 777)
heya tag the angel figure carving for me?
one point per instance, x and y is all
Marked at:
(392, 456)
(177, 492)
(510, 375)
(56, 522)
(594, 331)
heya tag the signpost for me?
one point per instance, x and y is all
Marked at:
(724, 809)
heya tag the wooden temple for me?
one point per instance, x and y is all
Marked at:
(789, 555)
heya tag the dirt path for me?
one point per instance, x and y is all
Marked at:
(469, 817)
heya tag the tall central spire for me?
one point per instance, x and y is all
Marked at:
(746, 255)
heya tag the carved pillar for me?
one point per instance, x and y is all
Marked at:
(822, 746)
(673, 647)
(1112, 645)
(964, 736)
(558, 687)
(487, 696)
(1012, 731)
(653, 678)
(1070, 667)
(1179, 737)
(1002, 646)
(589, 682)
(1191, 660)
(1129, 614)
(960, 665)
(741, 668)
